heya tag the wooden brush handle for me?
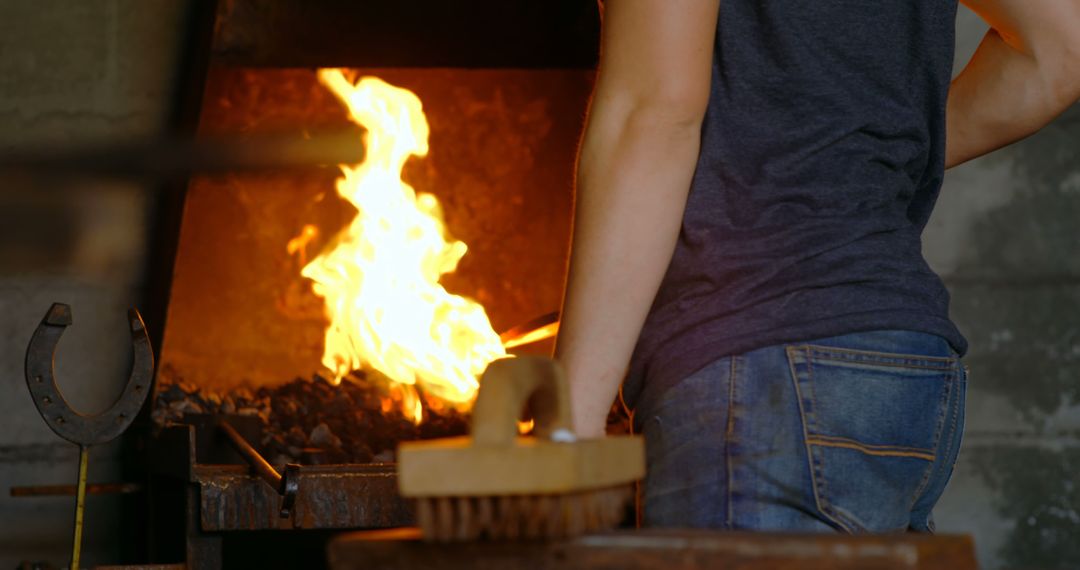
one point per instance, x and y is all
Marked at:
(507, 385)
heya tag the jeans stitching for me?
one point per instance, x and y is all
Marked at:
(948, 463)
(876, 450)
(954, 445)
(728, 435)
(956, 433)
(818, 475)
(811, 459)
(875, 446)
(945, 410)
(896, 360)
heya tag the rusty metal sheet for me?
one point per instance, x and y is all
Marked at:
(330, 496)
(648, 549)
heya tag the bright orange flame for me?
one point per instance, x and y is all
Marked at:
(404, 398)
(380, 276)
(525, 427)
(298, 245)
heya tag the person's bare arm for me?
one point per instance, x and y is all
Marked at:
(635, 164)
(1025, 72)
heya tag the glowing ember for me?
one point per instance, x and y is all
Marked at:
(379, 277)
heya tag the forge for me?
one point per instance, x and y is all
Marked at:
(275, 408)
(502, 147)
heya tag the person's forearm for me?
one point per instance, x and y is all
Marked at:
(634, 173)
(1009, 90)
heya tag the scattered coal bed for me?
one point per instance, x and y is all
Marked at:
(313, 422)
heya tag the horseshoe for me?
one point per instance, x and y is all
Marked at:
(69, 424)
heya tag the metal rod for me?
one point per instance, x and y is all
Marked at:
(540, 328)
(154, 159)
(80, 506)
(258, 463)
(72, 490)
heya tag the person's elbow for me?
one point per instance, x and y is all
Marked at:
(1065, 85)
(1058, 59)
(671, 112)
(668, 104)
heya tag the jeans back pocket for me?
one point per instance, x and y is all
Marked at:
(872, 423)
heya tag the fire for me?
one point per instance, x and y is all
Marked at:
(298, 245)
(379, 278)
(406, 399)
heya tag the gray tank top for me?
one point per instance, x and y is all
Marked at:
(822, 155)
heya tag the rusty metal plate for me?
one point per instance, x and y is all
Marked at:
(330, 496)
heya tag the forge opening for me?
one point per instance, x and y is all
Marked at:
(247, 333)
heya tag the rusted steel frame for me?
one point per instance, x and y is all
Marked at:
(648, 549)
(203, 550)
(334, 496)
(230, 498)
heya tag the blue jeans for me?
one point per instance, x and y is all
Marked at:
(856, 433)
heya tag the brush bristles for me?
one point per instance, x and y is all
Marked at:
(451, 519)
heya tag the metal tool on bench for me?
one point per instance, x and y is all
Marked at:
(287, 484)
(80, 429)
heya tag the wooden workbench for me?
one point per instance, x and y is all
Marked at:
(667, 549)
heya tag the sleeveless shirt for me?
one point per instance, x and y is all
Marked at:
(822, 154)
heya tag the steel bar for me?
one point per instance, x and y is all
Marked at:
(540, 328)
(262, 468)
(164, 158)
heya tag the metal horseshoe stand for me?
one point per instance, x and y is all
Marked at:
(83, 430)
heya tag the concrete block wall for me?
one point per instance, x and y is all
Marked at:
(1006, 239)
(72, 72)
